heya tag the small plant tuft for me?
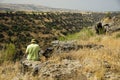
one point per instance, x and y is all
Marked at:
(118, 35)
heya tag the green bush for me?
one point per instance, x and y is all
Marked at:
(8, 53)
(84, 34)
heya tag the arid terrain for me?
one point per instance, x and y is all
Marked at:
(88, 63)
(87, 56)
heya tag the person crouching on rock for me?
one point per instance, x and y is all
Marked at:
(32, 51)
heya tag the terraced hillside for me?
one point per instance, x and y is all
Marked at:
(20, 27)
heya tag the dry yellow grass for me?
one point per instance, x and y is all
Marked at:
(93, 60)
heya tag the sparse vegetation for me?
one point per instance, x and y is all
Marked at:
(98, 63)
(84, 34)
(42, 25)
(8, 53)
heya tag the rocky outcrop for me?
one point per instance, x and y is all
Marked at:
(64, 70)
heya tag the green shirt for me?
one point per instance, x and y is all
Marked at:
(33, 52)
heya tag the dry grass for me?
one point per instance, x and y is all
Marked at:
(92, 60)
(8, 70)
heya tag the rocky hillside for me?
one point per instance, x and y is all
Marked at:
(97, 58)
(20, 27)
(87, 63)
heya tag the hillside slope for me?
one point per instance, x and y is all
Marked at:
(31, 7)
(91, 63)
(20, 28)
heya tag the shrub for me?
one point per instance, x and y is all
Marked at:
(8, 53)
(10, 33)
(84, 34)
(1, 35)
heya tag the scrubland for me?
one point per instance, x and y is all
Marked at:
(98, 63)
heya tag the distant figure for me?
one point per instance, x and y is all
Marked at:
(32, 51)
